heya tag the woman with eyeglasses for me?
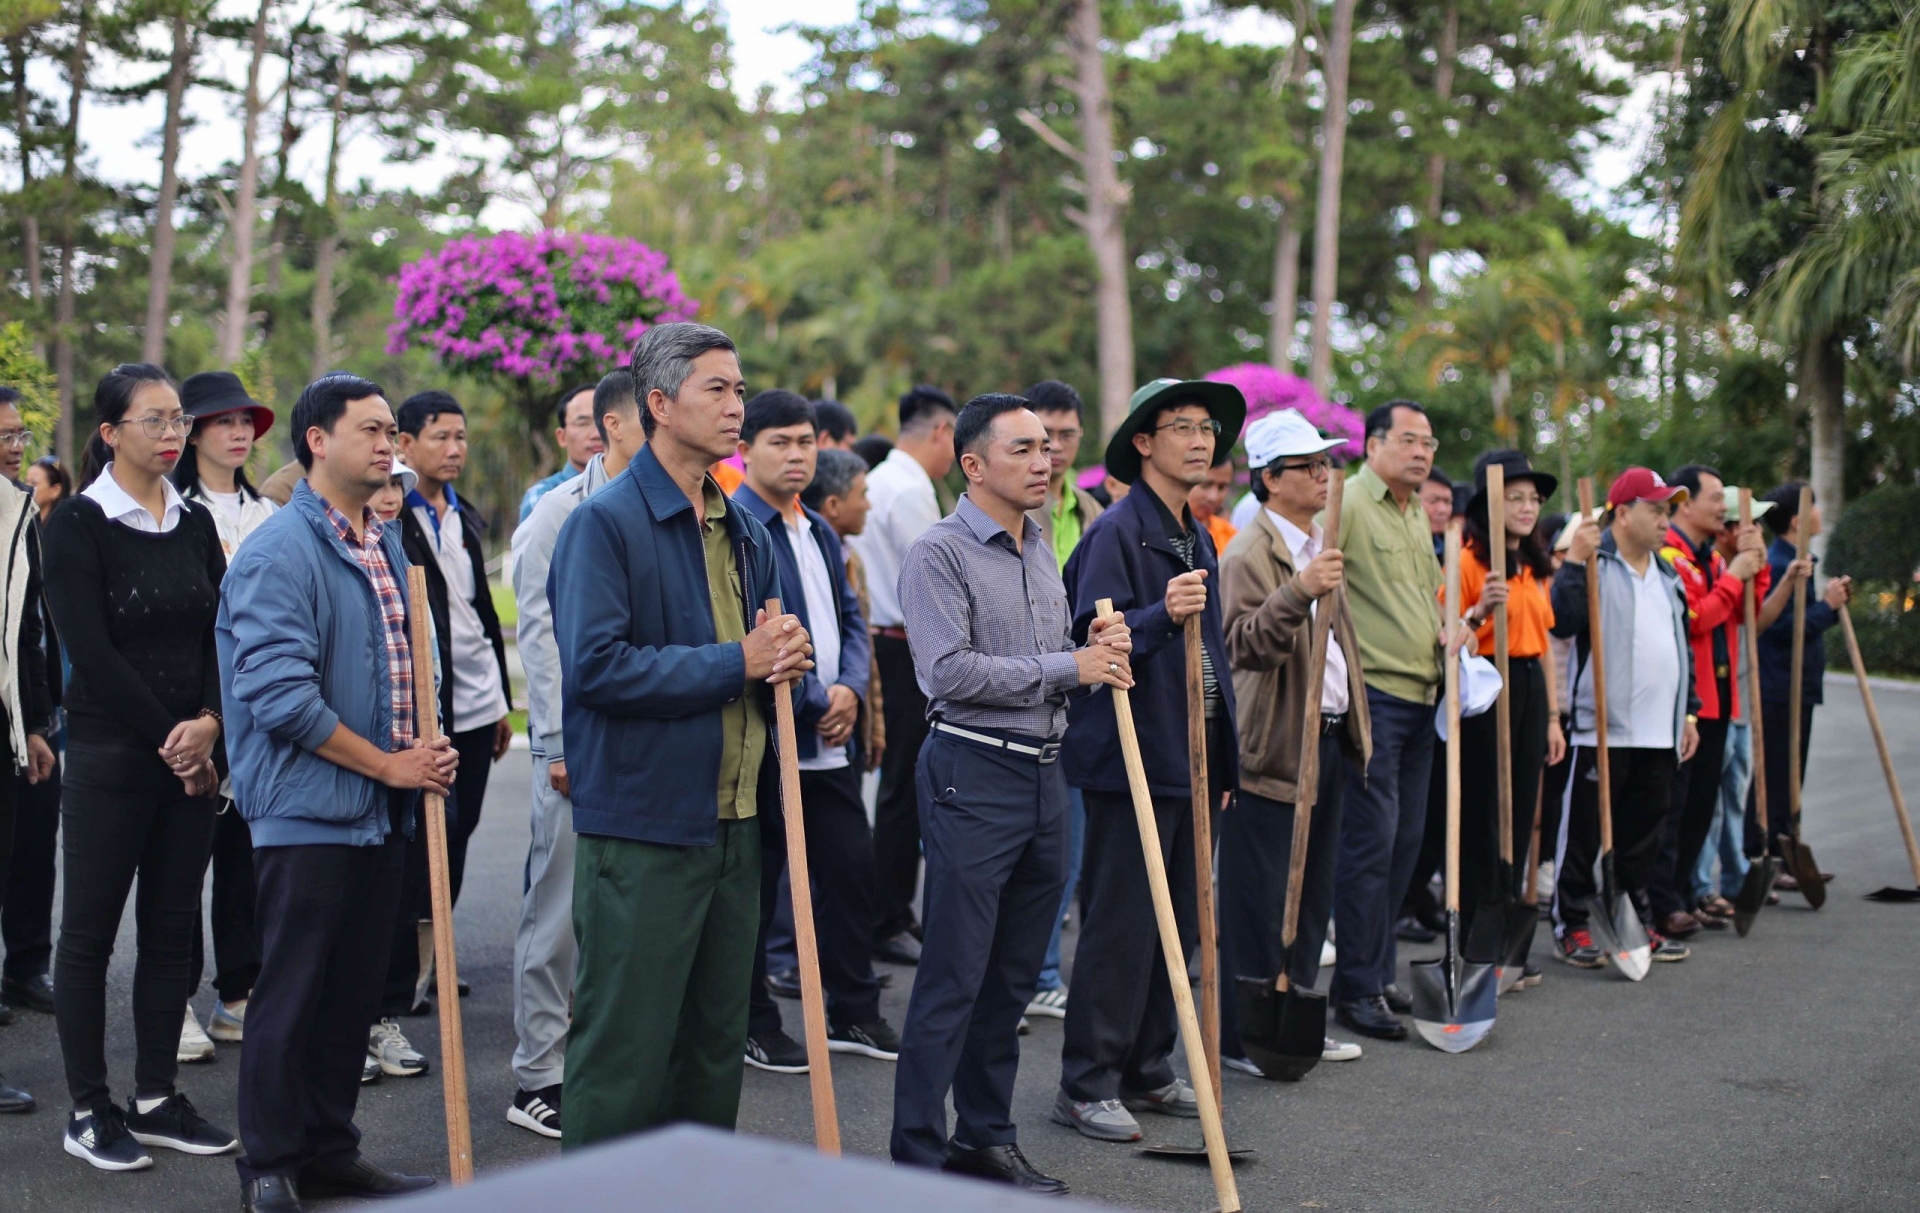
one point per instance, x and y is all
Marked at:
(133, 577)
(1534, 720)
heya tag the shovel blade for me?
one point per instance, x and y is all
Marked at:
(1282, 1033)
(1516, 945)
(1195, 1153)
(1618, 932)
(1895, 895)
(1753, 894)
(1806, 870)
(1453, 1004)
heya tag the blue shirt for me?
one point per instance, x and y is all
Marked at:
(1776, 643)
(540, 488)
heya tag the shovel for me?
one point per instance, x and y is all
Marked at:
(1760, 870)
(1453, 997)
(1610, 915)
(1516, 919)
(1283, 1030)
(1520, 941)
(1891, 892)
(1799, 856)
(1211, 1128)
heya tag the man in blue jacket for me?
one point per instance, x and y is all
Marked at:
(666, 667)
(1149, 556)
(316, 675)
(778, 448)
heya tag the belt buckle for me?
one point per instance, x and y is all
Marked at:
(1049, 752)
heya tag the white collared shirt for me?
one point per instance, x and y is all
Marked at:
(823, 613)
(1335, 695)
(119, 506)
(904, 505)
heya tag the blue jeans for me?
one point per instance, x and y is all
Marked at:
(1076, 843)
(1725, 835)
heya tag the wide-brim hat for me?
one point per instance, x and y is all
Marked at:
(1223, 403)
(1516, 467)
(211, 393)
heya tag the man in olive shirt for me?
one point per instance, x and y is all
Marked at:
(1392, 588)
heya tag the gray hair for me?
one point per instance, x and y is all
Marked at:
(833, 476)
(664, 358)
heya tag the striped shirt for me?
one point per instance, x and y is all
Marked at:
(988, 625)
(372, 559)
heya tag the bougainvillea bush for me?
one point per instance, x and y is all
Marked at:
(1268, 390)
(535, 310)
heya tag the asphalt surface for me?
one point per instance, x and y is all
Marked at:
(1776, 1073)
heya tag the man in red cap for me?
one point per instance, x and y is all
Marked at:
(1651, 728)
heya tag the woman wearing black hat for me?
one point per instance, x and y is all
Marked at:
(1534, 718)
(212, 471)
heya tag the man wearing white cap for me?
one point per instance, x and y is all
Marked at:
(1275, 575)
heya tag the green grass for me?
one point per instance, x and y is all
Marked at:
(504, 604)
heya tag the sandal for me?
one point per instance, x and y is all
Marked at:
(1716, 906)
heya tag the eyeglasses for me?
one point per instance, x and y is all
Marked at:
(16, 440)
(1406, 439)
(158, 427)
(1064, 436)
(1190, 429)
(1315, 468)
(1524, 499)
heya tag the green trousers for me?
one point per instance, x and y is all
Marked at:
(666, 939)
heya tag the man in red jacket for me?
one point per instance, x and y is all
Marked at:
(1716, 590)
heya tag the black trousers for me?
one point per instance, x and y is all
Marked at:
(1552, 792)
(840, 870)
(326, 916)
(413, 906)
(1121, 1025)
(1256, 847)
(468, 799)
(896, 814)
(1773, 723)
(1696, 794)
(1480, 788)
(8, 804)
(1420, 900)
(126, 815)
(26, 921)
(1642, 790)
(995, 825)
(236, 942)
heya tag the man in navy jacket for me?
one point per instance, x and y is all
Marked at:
(778, 445)
(666, 664)
(1147, 555)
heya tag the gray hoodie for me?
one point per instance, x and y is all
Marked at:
(1617, 620)
(532, 555)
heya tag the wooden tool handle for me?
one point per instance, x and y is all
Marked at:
(813, 1006)
(1306, 783)
(1176, 959)
(1803, 522)
(1751, 643)
(1597, 661)
(1880, 742)
(1452, 667)
(1503, 706)
(433, 812)
(1203, 846)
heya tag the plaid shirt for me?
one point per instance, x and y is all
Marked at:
(393, 614)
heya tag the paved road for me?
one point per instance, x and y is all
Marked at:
(1774, 1073)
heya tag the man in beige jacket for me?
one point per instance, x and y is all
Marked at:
(1274, 576)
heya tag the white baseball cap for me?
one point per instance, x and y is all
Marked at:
(1479, 688)
(1282, 434)
(408, 477)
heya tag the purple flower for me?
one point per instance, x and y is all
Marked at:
(1268, 390)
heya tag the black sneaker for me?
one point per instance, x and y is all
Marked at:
(776, 1052)
(101, 1138)
(877, 1040)
(1667, 950)
(175, 1125)
(538, 1111)
(1577, 948)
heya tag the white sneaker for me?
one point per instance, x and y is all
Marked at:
(1543, 886)
(229, 1021)
(1243, 1065)
(369, 1070)
(1050, 1004)
(195, 1046)
(1338, 1050)
(387, 1044)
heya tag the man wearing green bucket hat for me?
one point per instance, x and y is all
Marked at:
(1157, 564)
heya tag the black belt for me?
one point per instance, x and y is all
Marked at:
(1329, 725)
(1039, 749)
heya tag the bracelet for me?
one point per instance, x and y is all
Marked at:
(206, 712)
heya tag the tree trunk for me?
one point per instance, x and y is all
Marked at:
(1502, 396)
(1106, 204)
(1822, 383)
(277, 230)
(1286, 290)
(69, 203)
(329, 249)
(153, 346)
(233, 333)
(1428, 241)
(23, 134)
(943, 212)
(1326, 218)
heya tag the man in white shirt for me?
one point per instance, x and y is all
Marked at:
(1275, 577)
(1650, 726)
(778, 447)
(904, 505)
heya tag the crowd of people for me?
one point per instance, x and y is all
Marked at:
(204, 675)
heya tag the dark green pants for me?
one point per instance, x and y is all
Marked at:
(660, 996)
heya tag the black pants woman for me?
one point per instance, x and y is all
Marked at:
(1479, 790)
(133, 577)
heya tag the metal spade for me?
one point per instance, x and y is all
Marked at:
(1798, 855)
(1512, 925)
(1453, 998)
(1758, 884)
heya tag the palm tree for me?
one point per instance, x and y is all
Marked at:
(1485, 324)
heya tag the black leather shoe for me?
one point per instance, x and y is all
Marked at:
(1398, 1000)
(1002, 1164)
(6, 1015)
(784, 984)
(358, 1177)
(13, 1099)
(1409, 930)
(270, 1194)
(1370, 1017)
(901, 949)
(29, 994)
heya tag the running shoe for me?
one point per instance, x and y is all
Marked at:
(101, 1139)
(1577, 949)
(175, 1124)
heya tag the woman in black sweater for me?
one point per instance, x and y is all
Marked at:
(133, 577)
